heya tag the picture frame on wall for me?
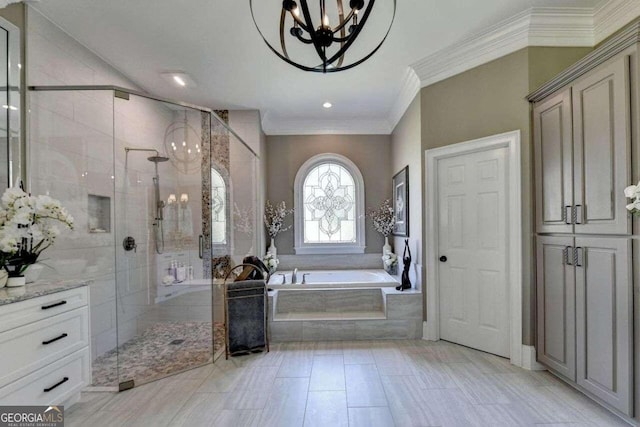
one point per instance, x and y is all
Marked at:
(401, 202)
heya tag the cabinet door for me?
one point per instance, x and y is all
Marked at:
(556, 305)
(553, 146)
(602, 132)
(604, 320)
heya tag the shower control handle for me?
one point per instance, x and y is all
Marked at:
(129, 244)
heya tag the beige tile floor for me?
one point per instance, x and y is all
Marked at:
(330, 384)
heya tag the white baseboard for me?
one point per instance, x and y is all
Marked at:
(427, 335)
(529, 361)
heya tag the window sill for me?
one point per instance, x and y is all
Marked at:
(329, 250)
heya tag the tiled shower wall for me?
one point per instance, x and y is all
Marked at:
(71, 146)
(71, 133)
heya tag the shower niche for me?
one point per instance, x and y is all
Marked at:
(99, 211)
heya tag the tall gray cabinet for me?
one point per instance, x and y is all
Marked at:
(586, 123)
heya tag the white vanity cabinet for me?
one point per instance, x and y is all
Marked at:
(44, 343)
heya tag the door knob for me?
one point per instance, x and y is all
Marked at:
(443, 258)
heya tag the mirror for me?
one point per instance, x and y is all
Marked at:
(10, 105)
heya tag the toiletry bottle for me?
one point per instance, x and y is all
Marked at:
(173, 269)
(181, 274)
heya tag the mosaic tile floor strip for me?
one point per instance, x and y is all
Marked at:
(161, 350)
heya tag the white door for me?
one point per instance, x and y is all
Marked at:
(473, 250)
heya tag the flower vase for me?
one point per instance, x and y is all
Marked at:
(4, 276)
(272, 249)
(16, 282)
(386, 249)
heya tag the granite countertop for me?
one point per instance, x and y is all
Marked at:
(37, 289)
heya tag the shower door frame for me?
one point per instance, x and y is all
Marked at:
(207, 117)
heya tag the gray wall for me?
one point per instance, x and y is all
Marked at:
(371, 153)
(488, 100)
(406, 151)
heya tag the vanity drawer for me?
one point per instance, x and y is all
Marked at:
(35, 309)
(29, 348)
(51, 385)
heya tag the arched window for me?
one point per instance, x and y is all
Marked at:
(218, 209)
(329, 202)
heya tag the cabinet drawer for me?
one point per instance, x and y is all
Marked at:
(35, 309)
(29, 348)
(51, 385)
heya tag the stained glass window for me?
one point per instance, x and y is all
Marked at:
(329, 199)
(218, 209)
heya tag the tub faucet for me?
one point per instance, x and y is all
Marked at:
(304, 278)
(294, 276)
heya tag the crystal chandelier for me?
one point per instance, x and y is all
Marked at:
(330, 43)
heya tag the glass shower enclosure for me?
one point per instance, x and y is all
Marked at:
(155, 208)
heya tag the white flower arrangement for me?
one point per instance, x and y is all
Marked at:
(633, 192)
(274, 217)
(28, 226)
(384, 218)
(271, 262)
(390, 263)
(390, 260)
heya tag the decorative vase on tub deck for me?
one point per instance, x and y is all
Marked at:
(386, 249)
(272, 249)
(16, 282)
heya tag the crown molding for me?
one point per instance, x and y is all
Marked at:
(548, 26)
(285, 126)
(408, 91)
(611, 15)
(624, 39)
(534, 27)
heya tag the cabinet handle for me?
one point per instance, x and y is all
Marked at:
(56, 385)
(57, 304)
(566, 213)
(52, 340)
(565, 254)
(201, 246)
(578, 218)
(579, 257)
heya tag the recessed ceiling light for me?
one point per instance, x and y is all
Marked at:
(179, 80)
(327, 105)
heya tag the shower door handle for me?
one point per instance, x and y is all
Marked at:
(201, 246)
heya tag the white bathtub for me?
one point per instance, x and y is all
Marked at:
(334, 279)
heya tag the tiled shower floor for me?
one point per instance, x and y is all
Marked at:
(163, 349)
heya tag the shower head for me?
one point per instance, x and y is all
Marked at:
(158, 159)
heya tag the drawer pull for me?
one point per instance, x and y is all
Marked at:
(64, 380)
(47, 307)
(54, 339)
